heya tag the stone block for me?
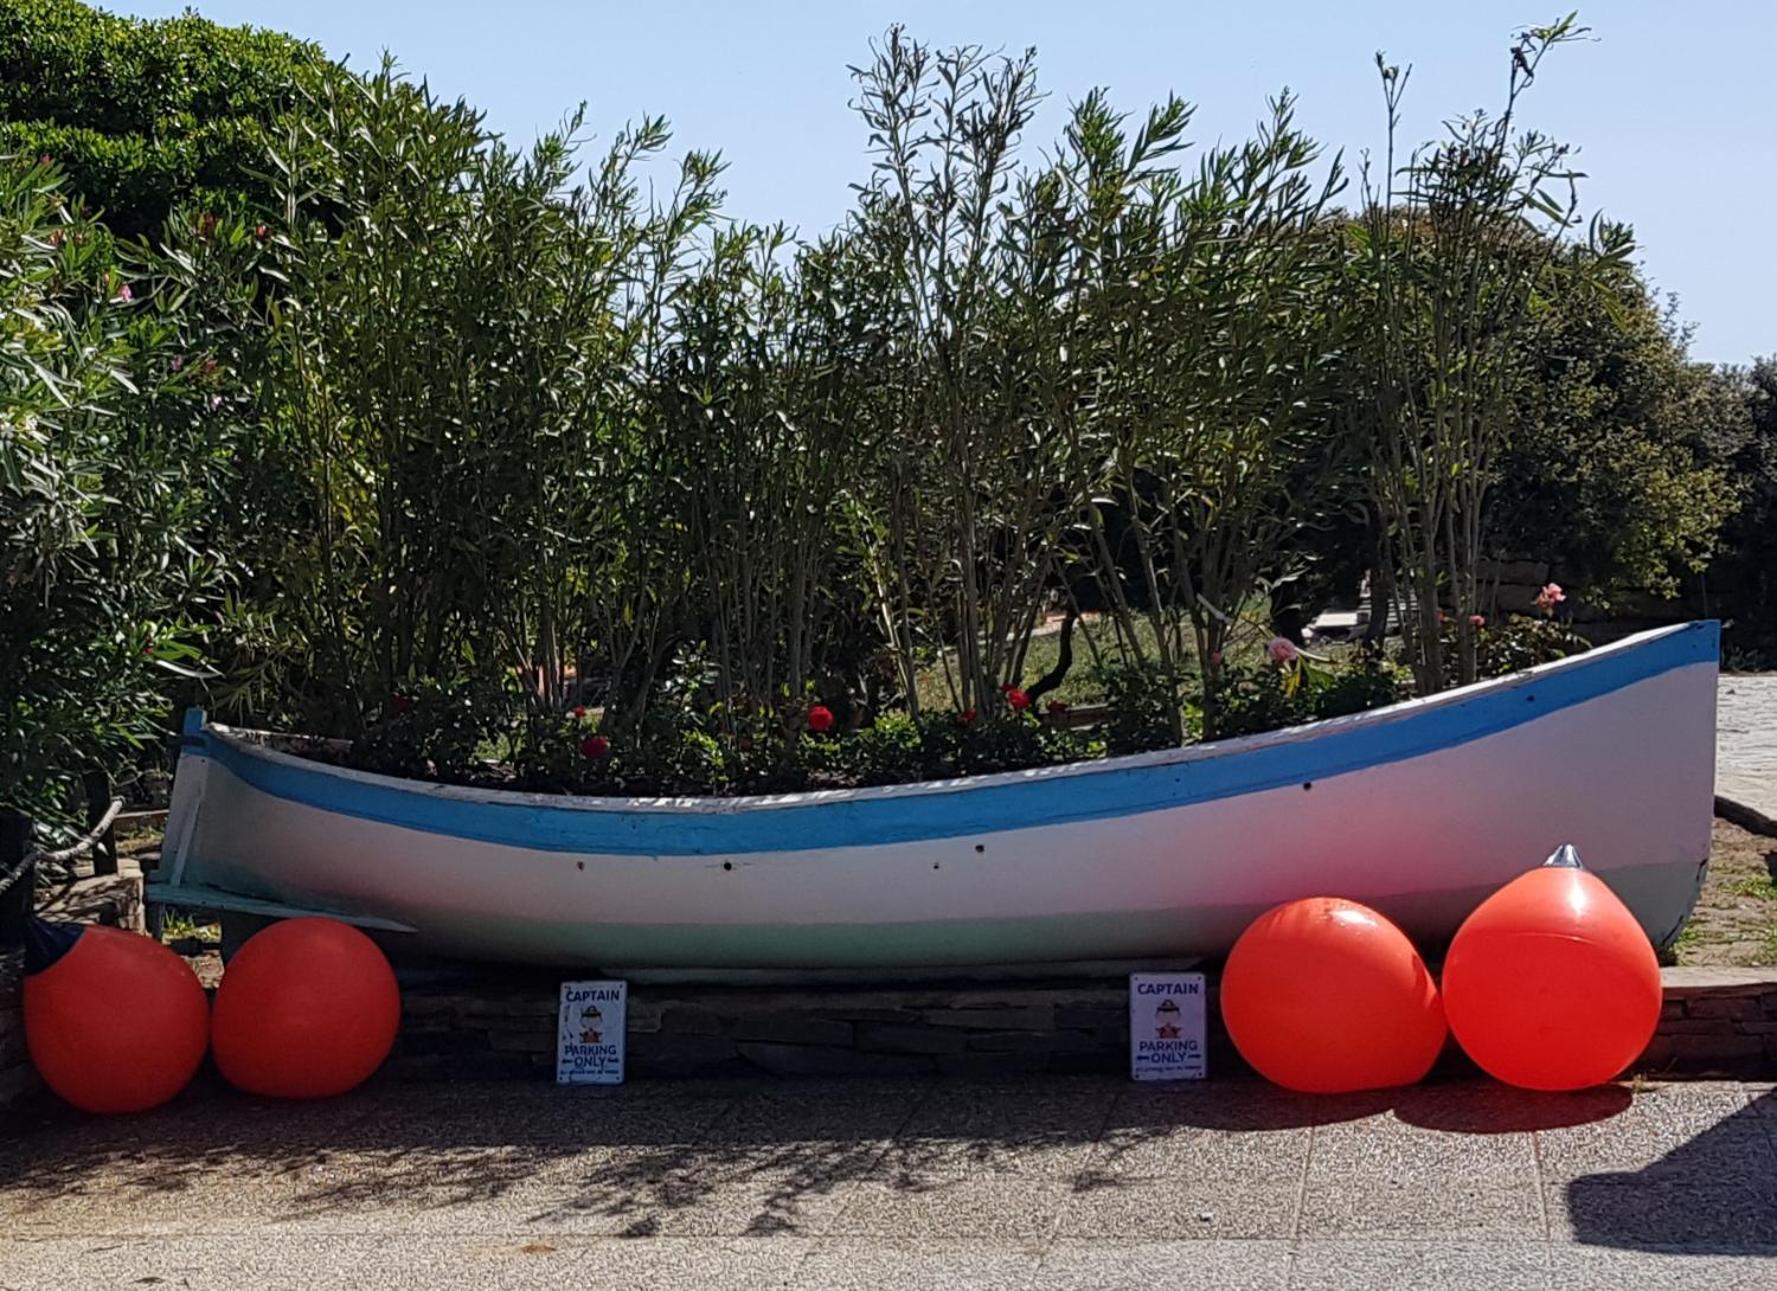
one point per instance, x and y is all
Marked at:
(473, 1008)
(1032, 1017)
(814, 1060)
(426, 1044)
(1723, 1006)
(888, 1038)
(506, 1040)
(1699, 1053)
(1090, 1018)
(641, 1017)
(794, 1029)
(1010, 1042)
(689, 1019)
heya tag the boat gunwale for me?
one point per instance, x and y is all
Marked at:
(243, 741)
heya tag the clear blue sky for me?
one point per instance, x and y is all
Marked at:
(1674, 105)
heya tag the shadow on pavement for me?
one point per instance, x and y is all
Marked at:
(1706, 1189)
(758, 1157)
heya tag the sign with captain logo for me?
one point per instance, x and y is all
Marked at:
(589, 1033)
(1166, 1026)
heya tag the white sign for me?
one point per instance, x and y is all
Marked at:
(1166, 1025)
(589, 1033)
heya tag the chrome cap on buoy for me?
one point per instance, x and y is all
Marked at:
(1564, 857)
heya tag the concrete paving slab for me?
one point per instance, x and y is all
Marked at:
(1058, 1183)
(269, 1262)
(1144, 1266)
(854, 1265)
(1234, 1132)
(1592, 1268)
(1384, 1177)
(1022, 1129)
(1746, 741)
(1420, 1266)
(1000, 1207)
(1192, 1208)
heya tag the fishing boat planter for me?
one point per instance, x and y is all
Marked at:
(1419, 810)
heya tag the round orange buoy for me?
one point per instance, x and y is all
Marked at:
(1326, 996)
(1551, 983)
(308, 1008)
(114, 1021)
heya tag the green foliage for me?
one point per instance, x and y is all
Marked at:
(505, 469)
(1262, 696)
(144, 116)
(1625, 475)
(109, 460)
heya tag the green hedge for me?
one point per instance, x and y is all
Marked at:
(143, 115)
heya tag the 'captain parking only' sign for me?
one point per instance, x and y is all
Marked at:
(1166, 1026)
(589, 1033)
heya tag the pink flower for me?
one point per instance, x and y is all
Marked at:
(178, 364)
(594, 747)
(1282, 650)
(820, 718)
(1550, 597)
(125, 294)
(1017, 699)
(1477, 620)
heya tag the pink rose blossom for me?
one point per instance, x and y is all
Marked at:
(1477, 620)
(1550, 597)
(1282, 651)
(124, 293)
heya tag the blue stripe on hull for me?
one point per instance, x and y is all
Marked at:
(891, 817)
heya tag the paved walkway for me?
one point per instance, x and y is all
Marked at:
(1746, 741)
(1051, 1183)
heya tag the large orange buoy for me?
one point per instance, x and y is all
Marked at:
(114, 1021)
(1326, 996)
(1551, 983)
(308, 1008)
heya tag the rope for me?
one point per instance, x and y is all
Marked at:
(80, 847)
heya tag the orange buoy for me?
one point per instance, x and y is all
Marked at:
(114, 1021)
(1551, 983)
(308, 1008)
(1326, 996)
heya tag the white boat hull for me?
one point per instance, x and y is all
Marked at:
(1419, 810)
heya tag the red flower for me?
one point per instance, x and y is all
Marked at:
(820, 718)
(1057, 707)
(261, 232)
(401, 704)
(1017, 699)
(966, 717)
(595, 747)
(580, 710)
